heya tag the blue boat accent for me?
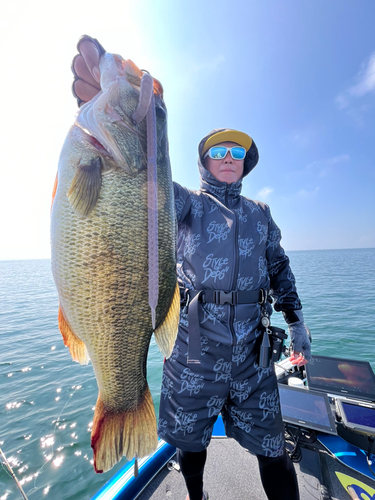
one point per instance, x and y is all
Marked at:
(348, 454)
(219, 429)
(124, 486)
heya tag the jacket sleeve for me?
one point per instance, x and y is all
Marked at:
(282, 281)
(182, 202)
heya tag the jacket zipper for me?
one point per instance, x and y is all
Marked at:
(236, 265)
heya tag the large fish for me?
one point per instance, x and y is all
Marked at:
(113, 251)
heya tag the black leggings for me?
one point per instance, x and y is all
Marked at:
(277, 474)
(278, 477)
(192, 466)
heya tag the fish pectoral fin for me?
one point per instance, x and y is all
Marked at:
(166, 333)
(129, 433)
(85, 188)
(77, 348)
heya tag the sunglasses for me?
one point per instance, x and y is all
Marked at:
(220, 152)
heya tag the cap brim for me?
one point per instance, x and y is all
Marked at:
(240, 138)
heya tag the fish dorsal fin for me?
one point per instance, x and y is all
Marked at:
(85, 188)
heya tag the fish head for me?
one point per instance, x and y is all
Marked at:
(115, 117)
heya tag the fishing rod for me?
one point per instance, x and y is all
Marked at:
(13, 474)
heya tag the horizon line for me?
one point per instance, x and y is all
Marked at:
(286, 251)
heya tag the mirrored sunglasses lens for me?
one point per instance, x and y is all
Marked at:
(218, 152)
(238, 153)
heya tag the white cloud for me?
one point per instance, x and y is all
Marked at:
(366, 79)
(324, 167)
(303, 193)
(366, 84)
(337, 159)
(265, 192)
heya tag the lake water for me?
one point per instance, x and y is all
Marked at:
(47, 401)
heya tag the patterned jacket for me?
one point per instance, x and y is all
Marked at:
(228, 242)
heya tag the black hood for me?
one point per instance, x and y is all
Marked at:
(251, 158)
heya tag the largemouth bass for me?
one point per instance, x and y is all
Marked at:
(101, 235)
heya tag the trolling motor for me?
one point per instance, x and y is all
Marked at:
(272, 345)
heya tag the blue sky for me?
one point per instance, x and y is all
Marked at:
(297, 75)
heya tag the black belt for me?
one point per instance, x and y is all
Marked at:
(191, 298)
(220, 297)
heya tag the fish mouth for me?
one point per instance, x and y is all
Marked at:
(102, 117)
(96, 118)
(95, 143)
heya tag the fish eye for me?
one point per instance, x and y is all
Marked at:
(160, 113)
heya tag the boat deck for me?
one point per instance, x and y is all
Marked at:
(231, 472)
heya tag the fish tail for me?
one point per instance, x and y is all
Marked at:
(166, 333)
(130, 433)
(77, 348)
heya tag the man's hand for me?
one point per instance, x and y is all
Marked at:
(297, 358)
(86, 71)
(300, 338)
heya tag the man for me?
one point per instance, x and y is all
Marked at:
(229, 263)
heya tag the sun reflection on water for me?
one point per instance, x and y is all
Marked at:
(47, 441)
(58, 461)
(14, 404)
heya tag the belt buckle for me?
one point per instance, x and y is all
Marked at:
(221, 297)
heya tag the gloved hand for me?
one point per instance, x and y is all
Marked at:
(299, 337)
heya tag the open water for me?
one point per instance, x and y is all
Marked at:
(47, 401)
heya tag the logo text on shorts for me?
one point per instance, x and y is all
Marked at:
(191, 382)
(166, 386)
(269, 403)
(239, 353)
(273, 445)
(207, 436)
(162, 427)
(240, 389)
(242, 419)
(262, 371)
(223, 370)
(215, 405)
(184, 421)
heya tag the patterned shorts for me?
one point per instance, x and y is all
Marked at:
(228, 381)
